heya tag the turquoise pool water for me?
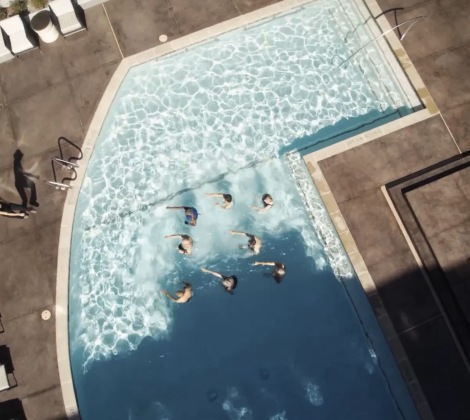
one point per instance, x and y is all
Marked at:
(226, 115)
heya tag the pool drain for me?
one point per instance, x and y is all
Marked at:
(46, 315)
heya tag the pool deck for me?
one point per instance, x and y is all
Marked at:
(54, 92)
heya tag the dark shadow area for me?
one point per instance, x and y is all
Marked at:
(6, 40)
(345, 128)
(80, 13)
(74, 417)
(263, 348)
(429, 342)
(13, 210)
(12, 410)
(2, 328)
(429, 306)
(451, 284)
(5, 359)
(23, 181)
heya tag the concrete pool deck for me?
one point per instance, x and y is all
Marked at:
(55, 91)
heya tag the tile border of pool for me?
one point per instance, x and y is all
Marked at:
(62, 286)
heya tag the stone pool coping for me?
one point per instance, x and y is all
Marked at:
(62, 287)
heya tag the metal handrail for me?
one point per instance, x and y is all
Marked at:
(73, 145)
(58, 185)
(68, 178)
(65, 163)
(70, 166)
(414, 20)
(394, 10)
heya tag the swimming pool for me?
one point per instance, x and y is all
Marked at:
(220, 117)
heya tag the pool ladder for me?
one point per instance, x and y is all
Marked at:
(69, 165)
(411, 21)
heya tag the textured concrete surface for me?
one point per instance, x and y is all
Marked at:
(439, 47)
(138, 24)
(45, 94)
(388, 158)
(54, 91)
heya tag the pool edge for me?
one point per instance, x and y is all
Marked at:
(65, 238)
(66, 226)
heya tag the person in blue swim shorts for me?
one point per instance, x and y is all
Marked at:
(190, 213)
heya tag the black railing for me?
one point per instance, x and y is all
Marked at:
(68, 164)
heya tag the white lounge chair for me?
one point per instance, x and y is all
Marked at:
(86, 4)
(7, 376)
(66, 16)
(4, 382)
(5, 53)
(20, 39)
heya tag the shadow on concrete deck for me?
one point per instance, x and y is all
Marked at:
(12, 409)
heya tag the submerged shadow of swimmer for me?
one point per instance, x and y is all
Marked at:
(22, 180)
(264, 374)
(212, 395)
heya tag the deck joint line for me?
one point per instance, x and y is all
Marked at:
(112, 30)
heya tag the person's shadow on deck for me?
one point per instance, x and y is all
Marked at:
(23, 181)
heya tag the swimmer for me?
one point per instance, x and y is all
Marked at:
(254, 243)
(228, 200)
(190, 213)
(228, 282)
(182, 296)
(279, 269)
(186, 245)
(268, 202)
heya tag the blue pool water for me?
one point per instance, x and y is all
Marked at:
(221, 117)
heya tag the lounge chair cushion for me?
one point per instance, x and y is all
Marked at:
(15, 30)
(65, 13)
(4, 384)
